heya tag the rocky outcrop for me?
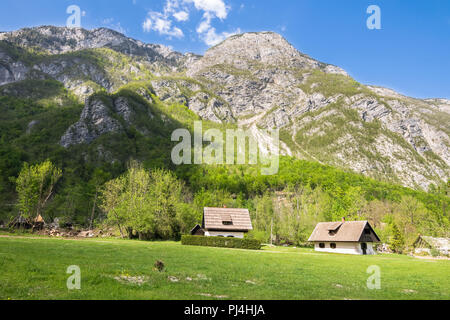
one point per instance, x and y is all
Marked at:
(193, 95)
(11, 70)
(96, 119)
(103, 115)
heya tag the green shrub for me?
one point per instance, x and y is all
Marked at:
(435, 253)
(221, 242)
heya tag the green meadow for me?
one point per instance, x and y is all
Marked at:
(35, 268)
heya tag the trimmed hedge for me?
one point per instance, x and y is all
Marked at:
(221, 242)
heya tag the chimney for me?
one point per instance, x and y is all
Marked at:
(343, 219)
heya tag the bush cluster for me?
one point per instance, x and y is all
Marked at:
(221, 242)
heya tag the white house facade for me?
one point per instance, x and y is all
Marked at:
(226, 234)
(352, 237)
(344, 247)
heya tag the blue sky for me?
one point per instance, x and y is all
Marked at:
(411, 52)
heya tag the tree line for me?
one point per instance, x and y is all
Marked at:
(161, 204)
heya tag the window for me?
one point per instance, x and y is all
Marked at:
(333, 245)
(227, 223)
(230, 236)
(332, 233)
(322, 245)
(366, 231)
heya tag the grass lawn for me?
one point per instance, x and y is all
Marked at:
(35, 268)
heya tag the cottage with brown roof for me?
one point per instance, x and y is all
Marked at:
(224, 222)
(349, 237)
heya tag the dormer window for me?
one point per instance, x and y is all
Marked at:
(227, 220)
(332, 233)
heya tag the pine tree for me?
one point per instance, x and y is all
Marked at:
(396, 241)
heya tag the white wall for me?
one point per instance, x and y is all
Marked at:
(345, 247)
(239, 235)
(422, 250)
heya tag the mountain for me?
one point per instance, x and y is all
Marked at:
(251, 80)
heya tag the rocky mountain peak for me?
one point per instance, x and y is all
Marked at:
(264, 47)
(244, 51)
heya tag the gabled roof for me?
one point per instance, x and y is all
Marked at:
(196, 228)
(438, 243)
(349, 231)
(214, 218)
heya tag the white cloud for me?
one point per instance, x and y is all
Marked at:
(216, 7)
(179, 10)
(181, 16)
(205, 25)
(212, 9)
(211, 37)
(160, 23)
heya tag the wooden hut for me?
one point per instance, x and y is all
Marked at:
(39, 223)
(425, 244)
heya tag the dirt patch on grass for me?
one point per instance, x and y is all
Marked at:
(135, 280)
(431, 258)
(212, 296)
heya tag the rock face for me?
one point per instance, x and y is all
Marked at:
(11, 70)
(55, 40)
(102, 116)
(256, 72)
(256, 80)
(193, 94)
(96, 120)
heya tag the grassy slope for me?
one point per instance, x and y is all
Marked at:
(36, 269)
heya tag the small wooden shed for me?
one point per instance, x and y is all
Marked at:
(224, 222)
(39, 223)
(424, 244)
(349, 237)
